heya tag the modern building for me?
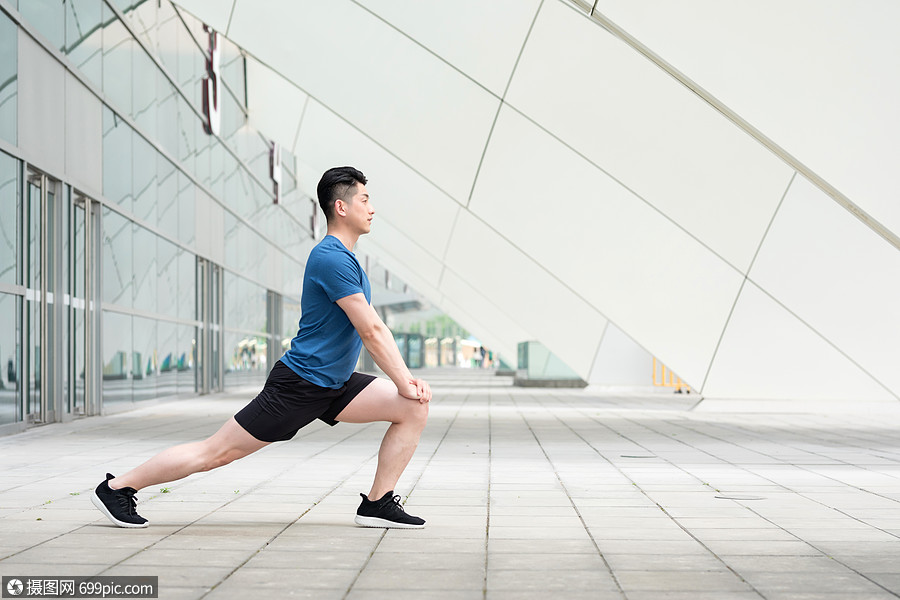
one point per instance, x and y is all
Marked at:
(700, 182)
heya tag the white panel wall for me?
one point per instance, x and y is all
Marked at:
(84, 137)
(648, 131)
(396, 248)
(275, 104)
(479, 313)
(465, 29)
(41, 114)
(767, 353)
(213, 12)
(620, 361)
(418, 107)
(838, 276)
(645, 274)
(527, 292)
(399, 195)
(608, 193)
(822, 79)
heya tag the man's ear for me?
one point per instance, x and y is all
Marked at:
(340, 208)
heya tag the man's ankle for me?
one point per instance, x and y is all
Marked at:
(377, 494)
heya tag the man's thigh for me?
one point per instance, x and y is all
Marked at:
(379, 401)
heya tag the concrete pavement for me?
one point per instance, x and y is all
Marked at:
(528, 493)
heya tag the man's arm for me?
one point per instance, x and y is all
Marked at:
(379, 341)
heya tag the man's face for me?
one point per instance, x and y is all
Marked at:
(359, 211)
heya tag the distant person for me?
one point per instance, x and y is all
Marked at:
(314, 379)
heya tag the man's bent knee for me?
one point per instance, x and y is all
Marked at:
(416, 413)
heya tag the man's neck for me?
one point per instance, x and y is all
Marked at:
(345, 237)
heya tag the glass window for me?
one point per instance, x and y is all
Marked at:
(144, 92)
(232, 250)
(167, 37)
(117, 167)
(48, 17)
(232, 117)
(191, 63)
(143, 20)
(186, 357)
(186, 202)
(116, 357)
(8, 79)
(167, 343)
(187, 285)
(118, 48)
(217, 154)
(204, 153)
(144, 181)
(9, 208)
(166, 277)
(167, 196)
(187, 127)
(144, 368)
(9, 359)
(144, 257)
(117, 270)
(84, 37)
(167, 116)
(232, 68)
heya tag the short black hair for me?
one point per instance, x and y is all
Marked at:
(337, 182)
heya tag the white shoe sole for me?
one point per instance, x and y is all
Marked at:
(384, 523)
(99, 504)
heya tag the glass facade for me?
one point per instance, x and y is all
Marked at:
(114, 295)
(8, 79)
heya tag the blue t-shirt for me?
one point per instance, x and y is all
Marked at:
(326, 347)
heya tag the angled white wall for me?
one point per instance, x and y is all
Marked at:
(537, 177)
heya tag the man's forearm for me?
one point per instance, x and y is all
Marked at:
(383, 349)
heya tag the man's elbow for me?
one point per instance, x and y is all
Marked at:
(370, 332)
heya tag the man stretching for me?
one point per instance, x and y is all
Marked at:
(315, 378)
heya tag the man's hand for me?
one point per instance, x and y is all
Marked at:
(417, 389)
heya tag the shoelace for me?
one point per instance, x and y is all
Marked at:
(127, 501)
(396, 500)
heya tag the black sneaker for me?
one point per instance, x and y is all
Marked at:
(118, 505)
(386, 512)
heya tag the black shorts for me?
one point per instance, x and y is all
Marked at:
(288, 402)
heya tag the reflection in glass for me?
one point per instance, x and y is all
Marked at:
(144, 365)
(142, 16)
(144, 76)
(167, 197)
(118, 48)
(117, 164)
(167, 344)
(9, 359)
(144, 261)
(245, 359)
(245, 331)
(166, 277)
(8, 80)
(84, 37)
(48, 17)
(116, 355)
(186, 358)
(167, 122)
(144, 184)
(187, 286)
(186, 202)
(9, 208)
(117, 277)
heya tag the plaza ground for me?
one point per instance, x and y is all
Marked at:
(528, 493)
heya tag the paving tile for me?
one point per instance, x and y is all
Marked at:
(520, 493)
(419, 576)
